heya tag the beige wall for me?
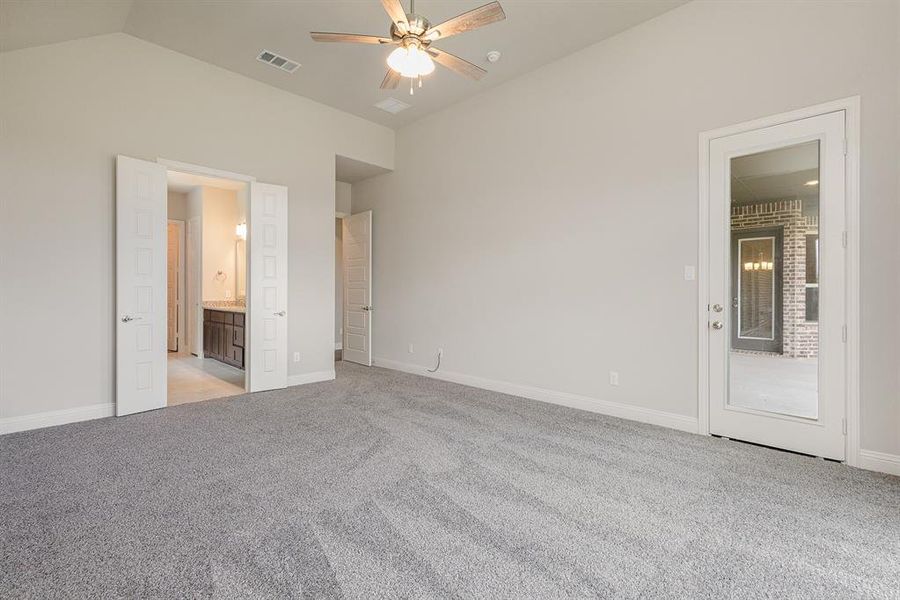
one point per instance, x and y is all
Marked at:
(66, 111)
(538, 247)
(221, 215)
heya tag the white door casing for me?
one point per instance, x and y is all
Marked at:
(194, 286)
(824, 435)
(268, 281)
(357, 251)
(140, 285)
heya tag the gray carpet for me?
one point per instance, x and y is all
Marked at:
(385, 485)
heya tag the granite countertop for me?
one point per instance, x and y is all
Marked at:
(225, 306)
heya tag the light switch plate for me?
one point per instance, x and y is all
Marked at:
(690, 273)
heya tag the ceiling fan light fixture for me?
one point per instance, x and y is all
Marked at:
(410, 61)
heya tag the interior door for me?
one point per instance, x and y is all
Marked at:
(267, 306)
(357, 252)
(140, 285)
(789, 177)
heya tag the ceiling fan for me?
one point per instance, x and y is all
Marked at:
(414, 35)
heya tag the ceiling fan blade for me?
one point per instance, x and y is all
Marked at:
(353, 38)
(391, 80)
(457, 64)
(479, 17)
(397, 14)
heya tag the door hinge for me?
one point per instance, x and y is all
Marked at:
(844, 333)
(844, 426)
(844, 239)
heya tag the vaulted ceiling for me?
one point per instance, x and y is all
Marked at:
(231, 34)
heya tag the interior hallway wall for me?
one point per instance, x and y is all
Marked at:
(176, 205)
(545, 244)
(66, 111)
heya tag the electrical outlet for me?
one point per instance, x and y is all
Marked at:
(227, 294)
(296, 357)
(410, 348)
(613, 378)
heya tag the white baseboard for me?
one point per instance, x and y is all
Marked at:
(879, 461)
(314, 377)
(606, 407)
(338, 345)
(55, 417)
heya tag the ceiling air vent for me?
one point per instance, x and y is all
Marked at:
(278, 61)
(392, 105)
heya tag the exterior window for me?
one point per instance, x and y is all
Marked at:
(812, 278)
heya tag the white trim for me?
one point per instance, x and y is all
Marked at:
(181, 324)
(851, 106)
(184, 167)
(879, 461)
(606, 407)
(339, 345)
(56, 417)
(313, 377)
(341, 215)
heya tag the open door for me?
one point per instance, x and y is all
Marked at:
(140, 285)
(357, 249)
(267, 308)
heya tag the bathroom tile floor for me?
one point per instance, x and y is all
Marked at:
(192, 379)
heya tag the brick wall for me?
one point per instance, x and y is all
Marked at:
(800, 338)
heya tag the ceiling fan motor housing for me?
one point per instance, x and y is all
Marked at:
(418, 25)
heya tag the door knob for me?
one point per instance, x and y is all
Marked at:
(280, 313)
(717, 325)
(128, 318)
(717, 307)
(367, 308)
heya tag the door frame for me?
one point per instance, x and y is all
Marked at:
(183, 167)
(182, 277)
(851, 106)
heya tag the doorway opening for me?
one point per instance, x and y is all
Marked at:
(776, 209)
(207, 287)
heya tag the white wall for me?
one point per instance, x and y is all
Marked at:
(545, 244)
(177, 205)
(343, 205)
(342, 197)
(66, 110)
(338, 282)
(221, 215)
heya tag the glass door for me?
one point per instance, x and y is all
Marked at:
(776, 222)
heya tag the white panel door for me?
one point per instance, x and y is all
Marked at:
(357, 240)
(140, 285)
(792, 397)
(267, 309)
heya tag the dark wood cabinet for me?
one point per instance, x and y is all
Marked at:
(223, 336)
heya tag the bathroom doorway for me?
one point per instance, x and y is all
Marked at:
(207, 296)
